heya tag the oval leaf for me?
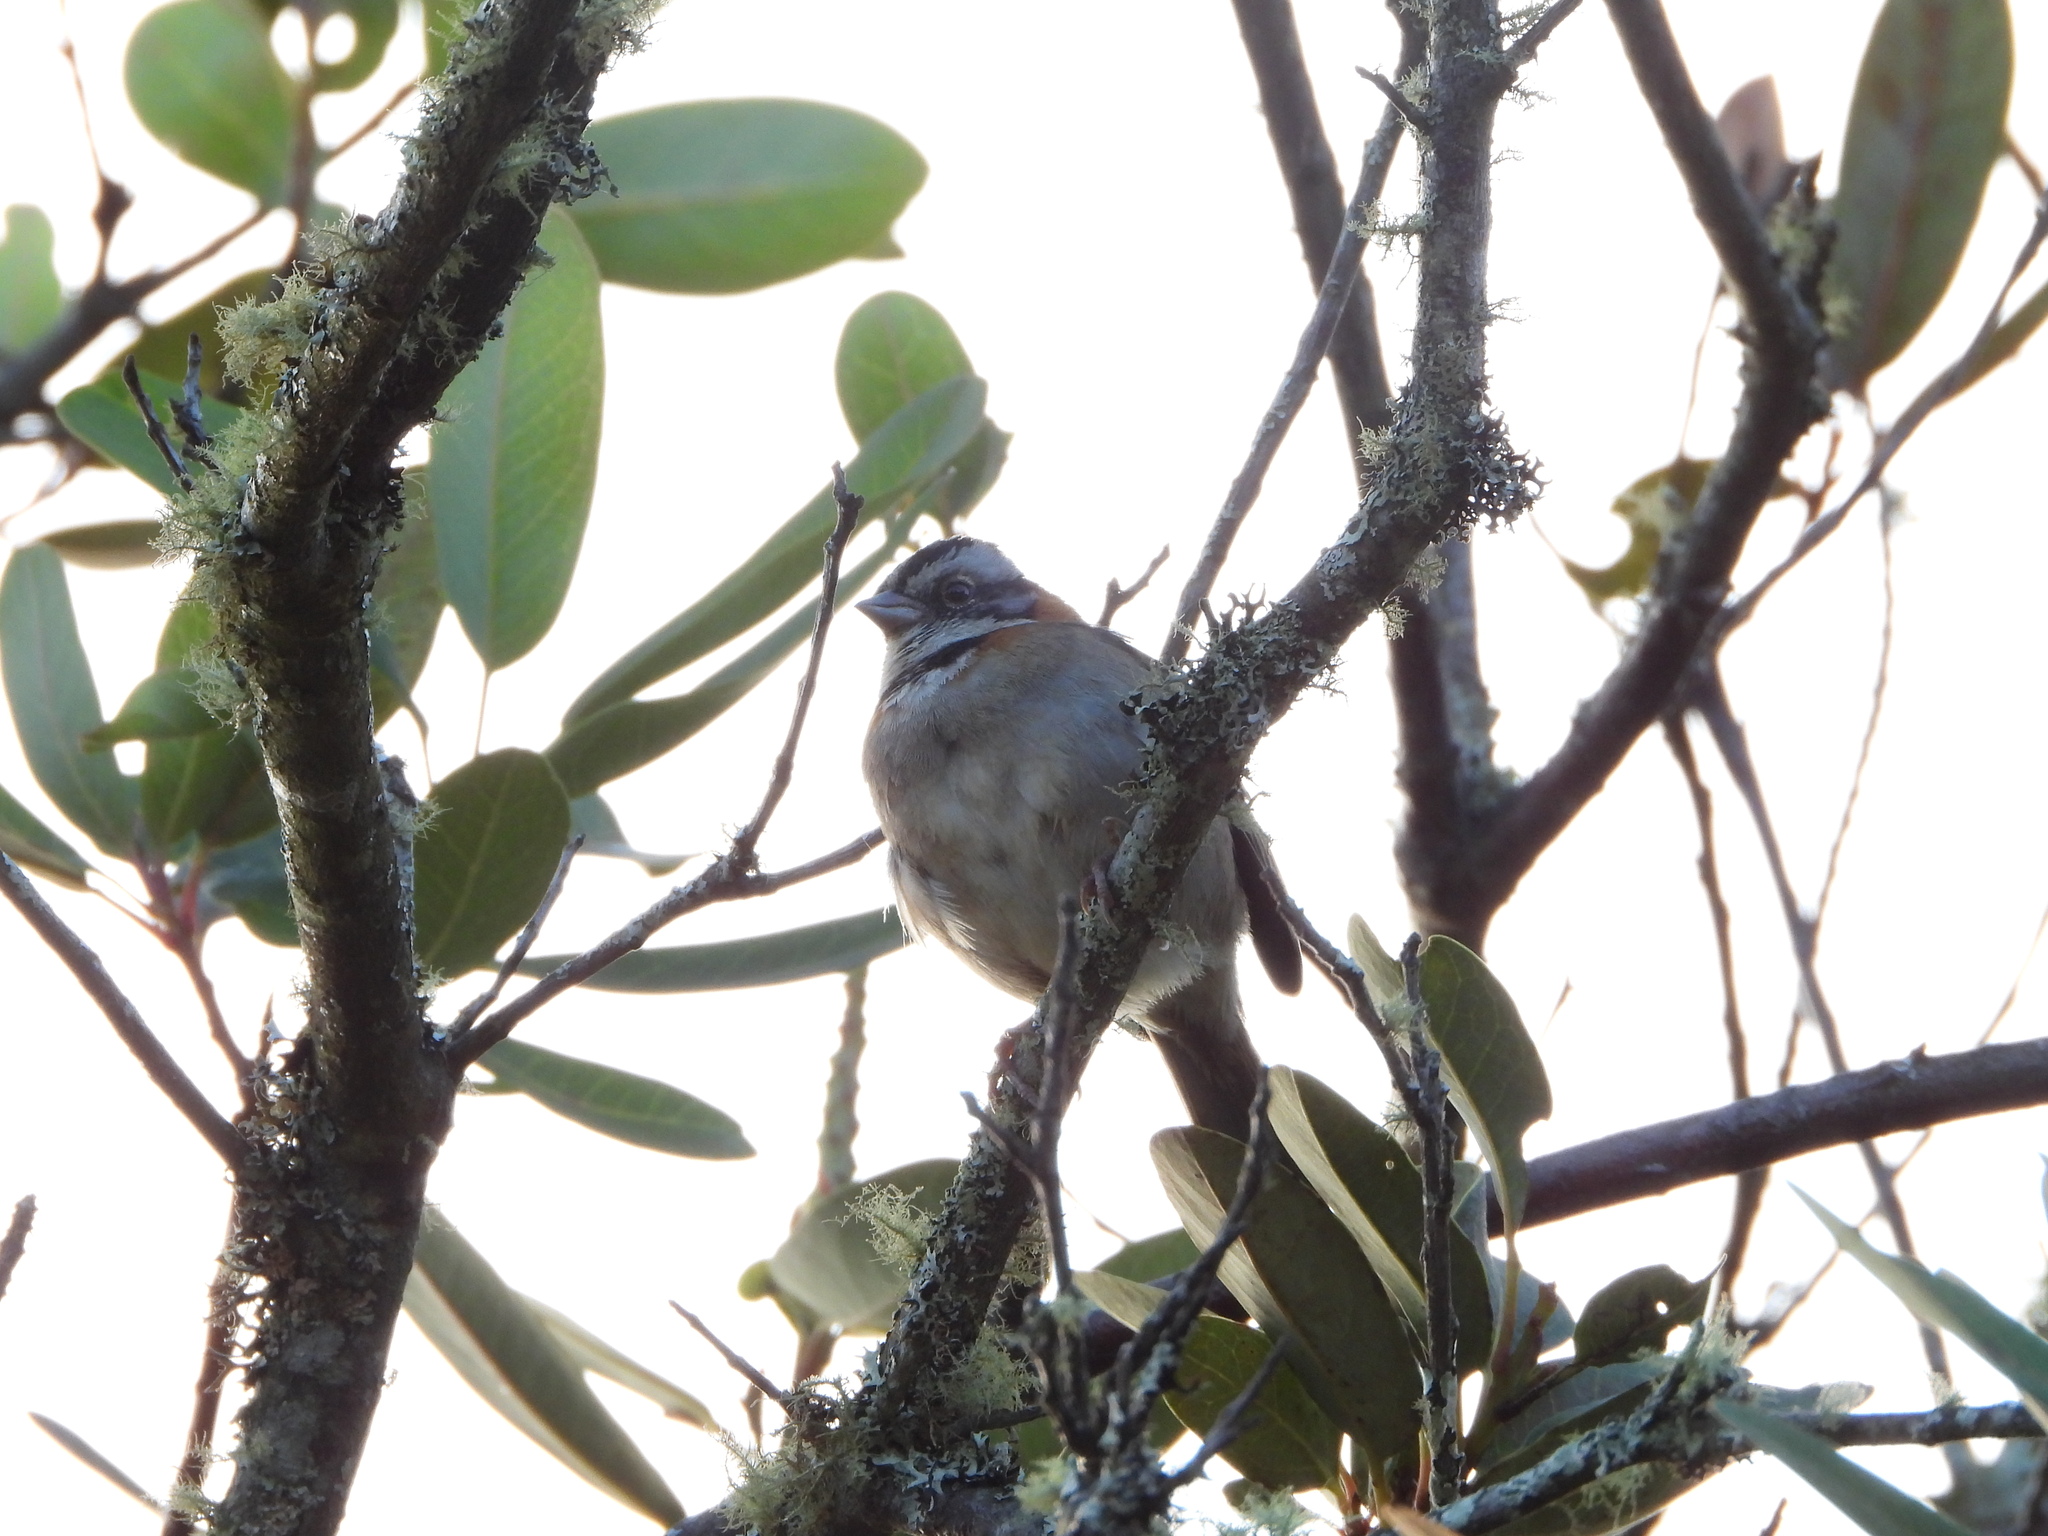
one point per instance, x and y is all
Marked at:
(203, 79)
(894, 348)
(724, 196)
(592, 819)
(830, 1265)
(104, 416)
(1151, 1258)
(515, 459)
(587, 1350)
(1926, 123)
(1366, 1179)
(162, 707)
(1943, 1301)
(1288, 1442)
(622, 1105)
(34, 846)
(489, 1334)
(1300, 1275)
(122, 546)
(818, 949)
(1636, 1313)
(483, 863)
(405, 614)
(1491, 1065)
(55, 703)
(30, 296)
(1864, 1497)
(910, 450)
(248, 879)
(375, 21)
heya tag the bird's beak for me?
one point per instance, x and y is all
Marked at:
(892, 611)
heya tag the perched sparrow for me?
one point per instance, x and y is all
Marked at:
(998, 758)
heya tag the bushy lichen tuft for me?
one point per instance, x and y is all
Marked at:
(260, 339)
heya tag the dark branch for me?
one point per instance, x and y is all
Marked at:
(154, 426)
(91, 975)
(849, 507)
(1905, 1095)
(721, 882)
(15, 1242)
(1116, 595)
(1780, 401)
(475, 1008)
(755, 1378)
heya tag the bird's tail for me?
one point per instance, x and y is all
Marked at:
(1200, 1031)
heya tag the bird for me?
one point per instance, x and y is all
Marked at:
(1001, 757)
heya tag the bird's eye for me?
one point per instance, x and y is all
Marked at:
(956, 592)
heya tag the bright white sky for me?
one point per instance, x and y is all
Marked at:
(1104, 228)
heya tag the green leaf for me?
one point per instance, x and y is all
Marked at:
(204, 81)
(1152, 1258)
(375, 21)
(1368, 1182)
(104, 416)
(405, 615)
(496, 830)
(622, 737)
(1636, 1313)
(1926, 123)
(515, 459)
(55, 704)
(1384, 982)
(602, 835)
(489, 1334)
(913, 447)
(77, 1445)
(160, 349)
(2005, 342)
(1864, 1497)
(894, 348)
(31, 299)
(830, 1266)
(121, 546)
(1288, 1443)
(618, 1104)
(162, 707)
(1300, 1275)
(34, 846)
(1491, 1065)
(819, 949)
(248, 879)
(587, 1350)
(724, 196)
(1943, 1301)
(1578, 1402)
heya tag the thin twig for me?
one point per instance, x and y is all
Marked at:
(155, 428)
(1538, 32)
(187, 408)
(475, 1007)
(398, 98)
(91, 975)
(216, 1362)
(1945, 386)
(1410, 113)
(1711, 699)
(1877, 693)
(1749, 1186)
(721, 882)
(849, 507)
(1117, 595)
(1230, 1423)
(754, 1377)
(1438, 1146)
(16, 1240)
(1338, 280)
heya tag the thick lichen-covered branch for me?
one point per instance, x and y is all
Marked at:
(287, 531)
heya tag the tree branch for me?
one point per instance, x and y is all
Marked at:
(142, 1043)
(1780, 401)
(1904, 1095)
(15, 1243)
